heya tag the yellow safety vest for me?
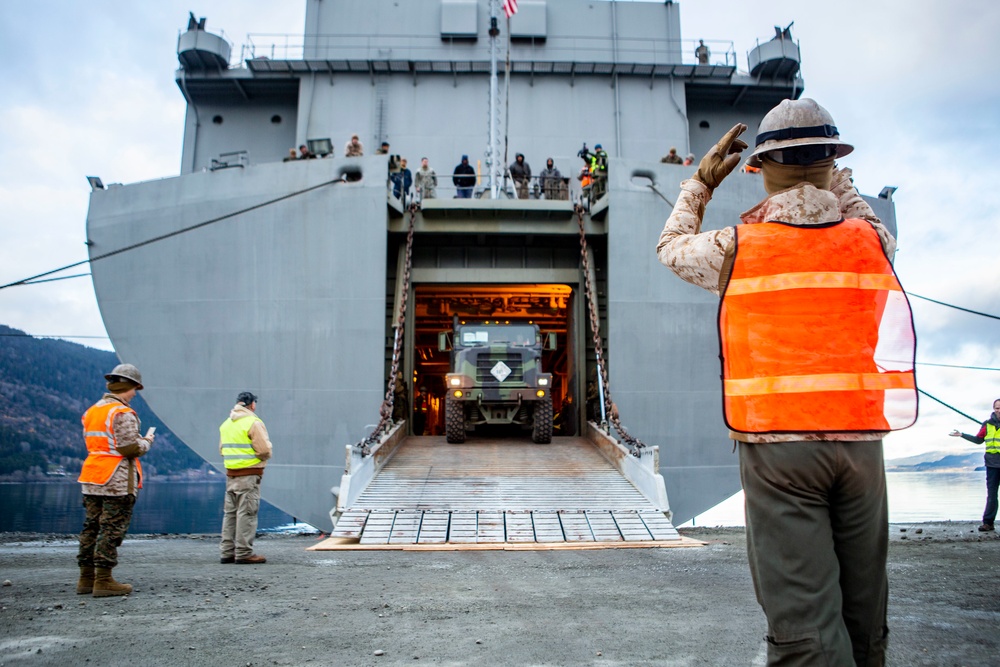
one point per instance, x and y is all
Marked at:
(992, 439)
(236, 445)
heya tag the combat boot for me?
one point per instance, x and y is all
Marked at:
(106, 586)
(85, 585)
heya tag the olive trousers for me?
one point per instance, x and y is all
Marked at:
(817, 541)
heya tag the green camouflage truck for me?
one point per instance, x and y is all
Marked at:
(496, 378)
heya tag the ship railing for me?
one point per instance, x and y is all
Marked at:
(556, 55)
(535, 188)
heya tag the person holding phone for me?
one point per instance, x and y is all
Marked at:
(245, 449)
(110, 479)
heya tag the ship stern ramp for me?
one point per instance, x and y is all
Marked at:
(275, 294)
(421, 493)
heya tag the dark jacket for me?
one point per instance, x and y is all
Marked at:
(520, 171)
(992, 460)
(460, 179)
(401, 182)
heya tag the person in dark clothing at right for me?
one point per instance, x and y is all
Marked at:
(989, 433)
(464, 178)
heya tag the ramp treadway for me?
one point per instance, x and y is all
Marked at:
(503, 491)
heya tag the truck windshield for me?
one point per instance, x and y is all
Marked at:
(483, 335)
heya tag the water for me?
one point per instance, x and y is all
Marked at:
(196, 507)
(164, 507)
(913, 497)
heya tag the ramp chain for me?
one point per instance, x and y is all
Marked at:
(385, 411)
(634, 445)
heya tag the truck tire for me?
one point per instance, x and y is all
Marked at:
(541, 429)
(454, 420)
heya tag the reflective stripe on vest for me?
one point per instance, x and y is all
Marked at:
(992, 439)
(820, 340)
(102, 444)
(236, 445)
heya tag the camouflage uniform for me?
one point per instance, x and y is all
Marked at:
(104, 528)
(109, 506)
(816, 508)
(426, 181)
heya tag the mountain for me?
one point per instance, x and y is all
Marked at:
(937, 462)
(45, 387)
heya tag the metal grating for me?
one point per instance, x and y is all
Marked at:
(489, 491)
(514, 527)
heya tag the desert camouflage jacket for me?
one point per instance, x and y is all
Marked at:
(697, 257)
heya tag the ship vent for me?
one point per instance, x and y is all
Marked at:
(486, 362)
(529, 22)
(777, 59)
(201, 50)
(459, 19)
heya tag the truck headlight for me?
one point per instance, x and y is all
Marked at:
(454, 382)
(543, 382)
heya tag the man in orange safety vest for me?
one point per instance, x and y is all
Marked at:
(110, 478)
(817, 347)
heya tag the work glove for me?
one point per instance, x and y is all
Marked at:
(722, 159)
(842, 182)
(130, 451)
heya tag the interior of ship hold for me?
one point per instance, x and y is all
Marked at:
(380, 319)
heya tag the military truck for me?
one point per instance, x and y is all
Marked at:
(496, 378)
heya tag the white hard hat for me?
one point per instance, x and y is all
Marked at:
(797, 123)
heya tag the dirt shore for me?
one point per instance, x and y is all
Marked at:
(675, 607)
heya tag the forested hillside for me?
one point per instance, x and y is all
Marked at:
(45, 387)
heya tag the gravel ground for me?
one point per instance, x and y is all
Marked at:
(675, 607)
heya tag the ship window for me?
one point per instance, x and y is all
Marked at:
(276, 119)
(217, 120)
(703, 124)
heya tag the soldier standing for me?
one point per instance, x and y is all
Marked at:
(110, 479)
(425, 181)
(817, 357)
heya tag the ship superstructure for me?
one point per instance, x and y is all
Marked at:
(293, 287)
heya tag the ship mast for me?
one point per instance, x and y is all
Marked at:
(493, 162)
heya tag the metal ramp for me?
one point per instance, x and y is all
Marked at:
(498, 493)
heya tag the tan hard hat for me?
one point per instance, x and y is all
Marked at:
(127, 371)
(796, 123)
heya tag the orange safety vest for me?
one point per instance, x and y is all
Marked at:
(102, 444)
(815, 341)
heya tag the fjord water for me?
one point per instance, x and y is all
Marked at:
(162, 507)
(196, 507)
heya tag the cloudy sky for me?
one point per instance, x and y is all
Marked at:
(88, 89)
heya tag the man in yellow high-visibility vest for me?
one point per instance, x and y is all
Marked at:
(989, 434)
(245, 449)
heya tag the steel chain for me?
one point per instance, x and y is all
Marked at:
(634, 445)
(385, 411)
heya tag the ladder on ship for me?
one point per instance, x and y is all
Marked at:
(400, 491)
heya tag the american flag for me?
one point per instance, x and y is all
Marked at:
(509, 7)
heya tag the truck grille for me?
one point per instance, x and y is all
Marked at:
(486, 362)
